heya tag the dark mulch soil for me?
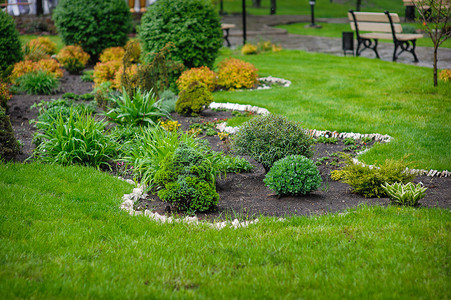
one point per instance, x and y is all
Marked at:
(245, 193)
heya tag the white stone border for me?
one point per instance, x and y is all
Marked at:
(138, 193)
(222, 127)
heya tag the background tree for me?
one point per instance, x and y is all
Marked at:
(435, 16)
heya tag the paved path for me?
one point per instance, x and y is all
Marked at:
(259, 27)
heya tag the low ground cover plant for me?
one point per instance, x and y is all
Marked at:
(293, 175)
(269, 138)
(367, 181)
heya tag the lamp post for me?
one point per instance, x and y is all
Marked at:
(244, 21)
(312, 9)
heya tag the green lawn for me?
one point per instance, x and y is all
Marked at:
(323, 8)
(63, 236)
(335, 30)
(354, 94)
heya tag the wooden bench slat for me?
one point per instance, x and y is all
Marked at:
(373, 17)
(381, 27)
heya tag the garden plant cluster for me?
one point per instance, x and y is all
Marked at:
(125, 124)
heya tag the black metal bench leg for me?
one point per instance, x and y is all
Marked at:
(405, 46)
(367, 44)
(226, 36)
(413, 51)
(395, 57)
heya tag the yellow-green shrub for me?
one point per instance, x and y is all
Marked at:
(113, 53)
(249, 49)
(445, 75)
(193, 99)
(105, 71)
(132, 74)
(134, 49)
(24, 67)
(73, 58)
(201, 74)
(44, 43)
(34, 53)
(236, 74)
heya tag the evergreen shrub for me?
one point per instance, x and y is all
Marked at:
(73, 58)
(10, 47)
(93, 24)
(269, 138)
(368, 181)
(201, 74)
(193, 99)
(293, 175)
(237, 74)
(192, 25)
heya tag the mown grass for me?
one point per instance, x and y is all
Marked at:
(353, 94)
(25, 38)
(336, 30)
(62, 235)
(323, 8)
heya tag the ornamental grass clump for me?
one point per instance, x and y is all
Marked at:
(237, 74)
(79, 139)
(368, 181)
(293, 175)
(38, 83)
(269, 138)
(405, 194)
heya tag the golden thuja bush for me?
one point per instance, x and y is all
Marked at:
(249, 49)
(105, 71)
(132, 75)
(201, 74)
(134, 49)
(445, 75)
(71, 52)
(113, 53)
(50, 66)
(43, 43)
(236, 74)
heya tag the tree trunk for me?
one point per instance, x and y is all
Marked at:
(256, 3)
(359, 3)
(39, 8)
(435, 64)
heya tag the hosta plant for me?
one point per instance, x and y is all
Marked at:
(141, 109)
(405, 194)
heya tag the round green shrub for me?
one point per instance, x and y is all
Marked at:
(10, 48)
(193, 99)
(269, 138)
(293, 175)
(187, 180)
(93, 24)
(192, 25)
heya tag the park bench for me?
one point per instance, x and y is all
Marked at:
(410, 6)
(371, 27)
(226, 28)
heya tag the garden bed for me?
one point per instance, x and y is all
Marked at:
(241, 194)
